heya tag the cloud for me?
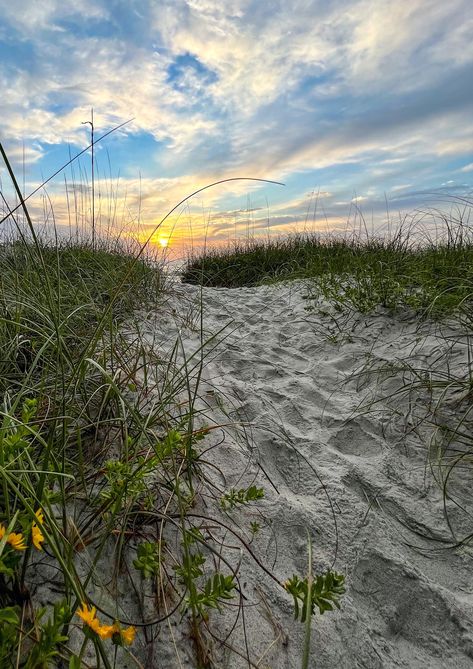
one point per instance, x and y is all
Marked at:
(28, 18)
(350, 95)
(21, 154)
(257, 58)
(400, 187)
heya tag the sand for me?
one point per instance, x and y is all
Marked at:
(286, 384)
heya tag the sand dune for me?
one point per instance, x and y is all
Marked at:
(286, 382)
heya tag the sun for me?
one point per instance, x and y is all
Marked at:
(163, 242)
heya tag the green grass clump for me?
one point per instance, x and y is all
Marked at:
(52, 298)
(62, 407)
(99, 456)
(362, 272)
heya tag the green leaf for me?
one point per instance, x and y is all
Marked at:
(325, 593)
(9, 615)
(147, 560)
(234, 497)
(74, 662)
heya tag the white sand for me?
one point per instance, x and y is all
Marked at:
(279, 373)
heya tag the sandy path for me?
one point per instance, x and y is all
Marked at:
(359, 483)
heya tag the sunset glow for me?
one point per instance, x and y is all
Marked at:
(359, 107)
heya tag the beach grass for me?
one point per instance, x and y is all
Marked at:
(110, 526)
(102, 532)
(70, 401)
(434, 277)
(99, 460)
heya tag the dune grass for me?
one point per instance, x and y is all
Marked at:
(361, 271)
(100, 462)
(69, 399)
(103, 537)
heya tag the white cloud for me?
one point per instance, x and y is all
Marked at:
(258, 56)
(20, 154)
(28, 16)
(292, 87)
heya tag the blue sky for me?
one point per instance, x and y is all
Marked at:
(351, 103)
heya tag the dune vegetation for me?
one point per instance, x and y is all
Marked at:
(430, 273)
(113, 529)
(103, 539)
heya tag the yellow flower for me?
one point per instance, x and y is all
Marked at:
(107, 631)
(37, 537)
(36, 534)
(128, 635)
(88, 615)
(17, 541)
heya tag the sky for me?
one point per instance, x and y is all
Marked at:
(361, 108)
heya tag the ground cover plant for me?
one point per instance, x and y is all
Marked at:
(100, 466)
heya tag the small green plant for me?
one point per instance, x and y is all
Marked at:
(216, 588)
(45, 638)
(324, 593)
(50, 637)
(9, 626)
(16, 434)
(171, 443)
(255, 527)
(123, 484)
(148, 559)
(189, 572)
(235, 498)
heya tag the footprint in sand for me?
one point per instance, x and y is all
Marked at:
(412, 613)
(353, 439)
